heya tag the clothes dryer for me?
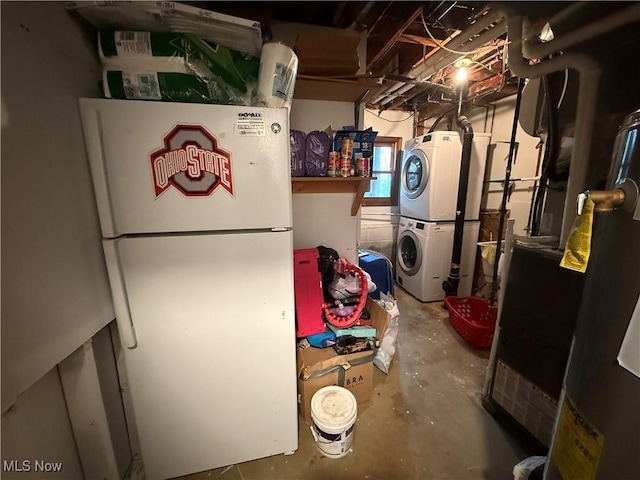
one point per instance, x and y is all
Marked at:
(430, 175)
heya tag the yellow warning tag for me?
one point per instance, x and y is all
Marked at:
(578, 444)
(578, 247)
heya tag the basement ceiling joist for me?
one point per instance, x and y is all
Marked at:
(401, 36)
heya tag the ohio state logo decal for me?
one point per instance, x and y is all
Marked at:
(191, 162)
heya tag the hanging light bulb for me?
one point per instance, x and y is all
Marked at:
(461, 74)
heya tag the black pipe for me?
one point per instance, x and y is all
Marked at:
(505, 192)
(438, 120)
(450, 285)
(551, 153)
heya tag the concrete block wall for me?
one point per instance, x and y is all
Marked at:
(379, 236)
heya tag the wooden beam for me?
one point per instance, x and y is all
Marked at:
(437, 48)
(393, 39)
(408, 38)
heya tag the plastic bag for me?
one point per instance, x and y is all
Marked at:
(174, 67)
(384, 354)
(523, 470)
(348, 285)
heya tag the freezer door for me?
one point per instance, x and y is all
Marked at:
(172, 167)
(213, 376)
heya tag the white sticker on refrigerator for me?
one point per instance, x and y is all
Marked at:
(250, 124)
(133, 43)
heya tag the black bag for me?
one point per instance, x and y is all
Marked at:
(328, 256)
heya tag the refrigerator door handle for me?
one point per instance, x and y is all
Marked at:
(94, 138)
(120, 301)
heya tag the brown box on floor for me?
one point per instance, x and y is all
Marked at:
(320, 367)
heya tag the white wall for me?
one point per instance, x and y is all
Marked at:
(37, 427)
(379, 225)
(319, 218)
(309, 115)
(524, 164)
(55, 293)
(324, 218)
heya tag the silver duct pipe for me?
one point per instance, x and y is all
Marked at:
(587, 95)
(534, 48)
(455, 43)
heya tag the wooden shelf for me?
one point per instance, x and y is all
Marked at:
(357, 185)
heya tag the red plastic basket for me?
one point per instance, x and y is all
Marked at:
(473, 319)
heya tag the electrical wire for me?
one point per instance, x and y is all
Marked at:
(390, 121)
(564, 88)
(379, 18)
(441, 45)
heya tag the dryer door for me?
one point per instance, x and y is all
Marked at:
(415, 173)
(409, 253)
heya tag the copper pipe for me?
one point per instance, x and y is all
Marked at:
(606, 200)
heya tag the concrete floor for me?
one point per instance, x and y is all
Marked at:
(426, 420)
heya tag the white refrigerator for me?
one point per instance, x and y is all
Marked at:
(195, 209)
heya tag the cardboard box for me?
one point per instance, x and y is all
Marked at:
(363, 141)
(320, 367)
(319, 88)
(322, 54)
(490, 224)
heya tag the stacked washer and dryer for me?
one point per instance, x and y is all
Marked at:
(428, 198)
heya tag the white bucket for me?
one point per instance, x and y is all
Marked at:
(334, 411)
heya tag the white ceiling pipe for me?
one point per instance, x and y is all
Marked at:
(589, 72)
(398, 93)
(455, 43)
(388, 91)
(534, 48)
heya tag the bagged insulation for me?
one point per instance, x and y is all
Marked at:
(175, 67)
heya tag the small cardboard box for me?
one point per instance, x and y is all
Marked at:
(363, 142)
(323, 54)
(320, 367)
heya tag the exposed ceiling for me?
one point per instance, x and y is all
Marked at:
(412, 46)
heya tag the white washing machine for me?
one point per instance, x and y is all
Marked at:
(430, 174)
(424, 257)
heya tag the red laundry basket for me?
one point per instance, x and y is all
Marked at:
(474, 320)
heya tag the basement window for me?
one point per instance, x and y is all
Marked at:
(386, 168)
